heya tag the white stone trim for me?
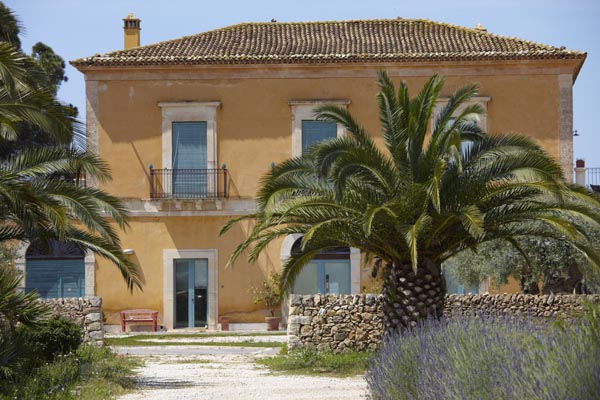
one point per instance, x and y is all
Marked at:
(330, 70)
(90, 273)
(91, 123)
(21, 263)
(482, 100)
(213, 280)
(354, 270)
(565, 125)
(189, 207)
(192, 111)
(305, 110)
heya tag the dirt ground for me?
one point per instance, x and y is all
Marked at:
(211, 372)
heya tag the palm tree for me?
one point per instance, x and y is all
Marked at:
(417, 200)
(39, 200)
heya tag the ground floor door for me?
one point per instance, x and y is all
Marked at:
(191, 292)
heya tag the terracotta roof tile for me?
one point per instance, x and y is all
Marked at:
(337, 41)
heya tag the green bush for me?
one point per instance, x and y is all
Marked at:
(491, 358)
(91, 373)
(49, 339)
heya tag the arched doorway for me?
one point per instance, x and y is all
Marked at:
(329, 272)
(57, 270)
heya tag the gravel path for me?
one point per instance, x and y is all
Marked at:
(212, 372)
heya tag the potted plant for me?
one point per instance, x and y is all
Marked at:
(269, 293)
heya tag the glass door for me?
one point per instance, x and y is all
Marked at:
(323, 277)
(191, 292)
(190, 160)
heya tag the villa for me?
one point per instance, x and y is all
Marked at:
(188, 127)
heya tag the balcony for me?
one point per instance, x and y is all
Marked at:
(188, 183)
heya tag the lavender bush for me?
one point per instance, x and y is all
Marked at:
(491, 358)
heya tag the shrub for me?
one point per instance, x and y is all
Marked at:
(490, 358)
(50, 338)
(90, 373)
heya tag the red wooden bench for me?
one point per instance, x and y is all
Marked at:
(140, 315)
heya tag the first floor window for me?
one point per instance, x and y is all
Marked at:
(55, 271)
(317, 131)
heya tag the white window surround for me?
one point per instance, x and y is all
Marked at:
(89, 262)
(189, 111)
(305, 110)
(286, 252)
(482, 100)
(169, 255)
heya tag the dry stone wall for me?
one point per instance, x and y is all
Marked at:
(355, 322)
(563, 305)
(86, 312)
(335, 322)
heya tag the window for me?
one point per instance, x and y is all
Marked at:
(189, 159)
(189, 150)
(482, 100)
(327, 273)
(55, 271)
(306, 130)
(316, 131)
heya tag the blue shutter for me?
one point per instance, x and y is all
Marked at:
(317, 131)
(56, 278)
(190, 159)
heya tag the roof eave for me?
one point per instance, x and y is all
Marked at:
(578, 67)
(81, 64)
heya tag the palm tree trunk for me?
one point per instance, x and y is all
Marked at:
(410, 297)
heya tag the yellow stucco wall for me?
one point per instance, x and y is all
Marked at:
(254, 125)
(150, 236)
(254, 122)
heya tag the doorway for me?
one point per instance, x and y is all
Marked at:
(191, 292)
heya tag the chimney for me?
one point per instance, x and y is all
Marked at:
(131, 28)
(480, 28)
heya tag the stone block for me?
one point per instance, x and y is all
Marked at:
(306, 330)
(95, 301)
(93, 317)
(94, 326)
(293, 328)
(96, 335)
(300, 319)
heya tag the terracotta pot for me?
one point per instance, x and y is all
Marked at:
(273, 323)
(224, 323)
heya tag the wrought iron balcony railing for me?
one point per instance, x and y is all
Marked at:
(188, 183)
(593, 178)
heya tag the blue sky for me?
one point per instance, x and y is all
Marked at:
(78, 28)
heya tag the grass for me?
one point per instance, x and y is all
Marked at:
(88, 374)
(191, 361)
(143, 340)
(201, 335)
(311, 362)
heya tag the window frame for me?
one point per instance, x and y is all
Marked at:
(192, 111)
(483, 122)
(304, 110)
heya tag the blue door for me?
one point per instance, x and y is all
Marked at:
(191, 292)
(190, 159)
